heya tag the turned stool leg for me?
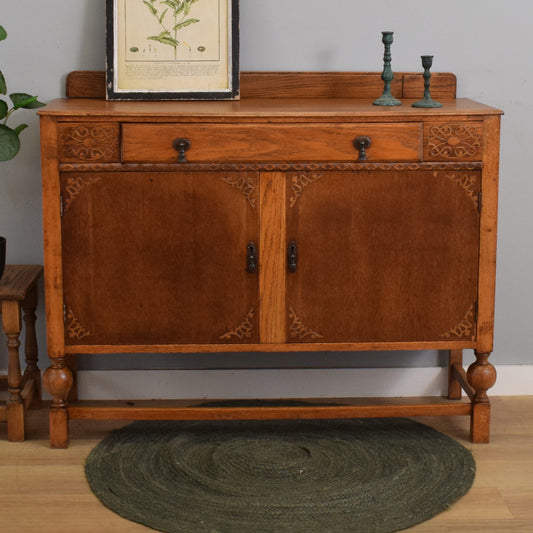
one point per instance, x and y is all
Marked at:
(58, 382)
(32, 371)
(15, 406)
(481, 376)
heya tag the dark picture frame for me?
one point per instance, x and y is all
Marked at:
(172, 49)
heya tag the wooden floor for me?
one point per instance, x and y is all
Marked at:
(45, 491)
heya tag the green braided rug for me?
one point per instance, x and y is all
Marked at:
(336, 476)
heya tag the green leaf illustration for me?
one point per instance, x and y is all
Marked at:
(185, 23)
(3, 33)
(164, 38)
(9, 143)
(150, 7)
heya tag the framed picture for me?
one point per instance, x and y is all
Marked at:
(172, 49)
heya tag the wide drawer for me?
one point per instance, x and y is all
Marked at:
(150, 142)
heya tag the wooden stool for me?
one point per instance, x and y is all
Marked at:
(18, 288)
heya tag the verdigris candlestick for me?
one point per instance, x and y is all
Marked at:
(387, 76)
(427, 101)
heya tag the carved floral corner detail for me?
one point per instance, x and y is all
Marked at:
(465, 328)
(245, 185)
(74, 328)
(90, 143)
(299, 184)
(75, 186)
(454, 141)
(298, 330)
(243, 330)
(468, 183)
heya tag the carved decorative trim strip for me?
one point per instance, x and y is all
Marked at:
(89, 143)
(298, 185)
(243, 330)
(74, 329)
(454, 141)
(246, 185)
(468, 183)
(74, 187)
(297, 330)
(465, 328)
(268, 167)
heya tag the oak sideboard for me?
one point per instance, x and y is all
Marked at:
(300, 218)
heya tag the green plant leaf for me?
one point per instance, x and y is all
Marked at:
(9, 143)
(25, 101)
(3, 86)
(3, 109)
(3, 33)
(19, 128)
(187, 22)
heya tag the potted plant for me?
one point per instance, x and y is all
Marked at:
(10, 137)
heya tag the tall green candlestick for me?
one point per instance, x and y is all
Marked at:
(387, 75)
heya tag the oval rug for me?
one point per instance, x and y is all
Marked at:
(323, 476)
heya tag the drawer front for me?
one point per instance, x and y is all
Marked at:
(267, 142)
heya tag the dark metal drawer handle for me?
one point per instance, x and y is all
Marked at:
(251, 258)
(292, 256)
(361, 144)
(181, 145)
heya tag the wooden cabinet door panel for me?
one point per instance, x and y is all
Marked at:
(159, 258)
(383, 256)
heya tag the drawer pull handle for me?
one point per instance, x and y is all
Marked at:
(251, 258)
(361, 143)
(181, 145)
(292, 256)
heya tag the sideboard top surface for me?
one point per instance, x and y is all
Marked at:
(262, 108)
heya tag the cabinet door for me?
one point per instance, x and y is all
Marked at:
(159, 258)
(383, 256)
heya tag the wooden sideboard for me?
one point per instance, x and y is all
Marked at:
(300, 218)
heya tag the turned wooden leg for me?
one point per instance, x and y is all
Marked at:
(58, 382)
(481, 376)
(32, 371)
(15, 406)
(454, 387)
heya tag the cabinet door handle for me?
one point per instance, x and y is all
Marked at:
(292, 256)
(181, 145)
(251, 258)
(361, 143)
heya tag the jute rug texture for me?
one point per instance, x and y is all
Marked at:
(335, 476)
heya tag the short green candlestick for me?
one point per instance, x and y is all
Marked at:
(427, 101)
(387, 75)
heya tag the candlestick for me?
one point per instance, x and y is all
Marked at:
(387, 75)
(427, 101)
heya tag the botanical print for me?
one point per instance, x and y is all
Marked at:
(172, 16)
(173, 47)
(172, 30)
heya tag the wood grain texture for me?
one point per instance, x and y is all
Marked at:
(272, 263)
(91, 84)
(308, 142)
(18, 280)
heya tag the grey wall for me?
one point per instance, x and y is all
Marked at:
(486, 43)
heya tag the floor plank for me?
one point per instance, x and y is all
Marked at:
(44, 490)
